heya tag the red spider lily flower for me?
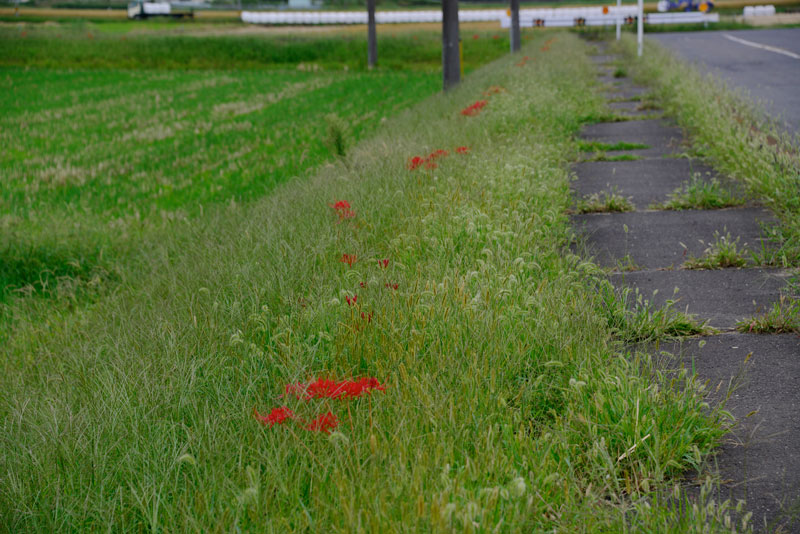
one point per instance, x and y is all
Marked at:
(476, 36)
(324, 423)
(367, 317)
(474, 109)
(391, 286)
(462, 150)
(351, 300)
(277, 416)
(362, 284)
(495, 37)
(437, 154)
(341, 205)
(349, 259)
(343, 210)
(383, 263)
(331, 389)
(431, 165)
(415, 163)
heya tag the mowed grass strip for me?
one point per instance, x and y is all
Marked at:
(94, 158)
(507, 406)
(122, 46)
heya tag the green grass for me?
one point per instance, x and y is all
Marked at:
(597, 146)
(508, 405)
(725, 127)
(782, 318)
(113, 148)
(106, 45)
(699, 194)
(723, 253)
(606, 202)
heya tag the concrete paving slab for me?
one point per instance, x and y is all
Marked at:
(603, 59)
(665, 239)
(662, 136)
(645, 181)
(760, 460)
(723, 297)
(626, 92)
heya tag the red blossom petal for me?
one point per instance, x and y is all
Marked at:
(324, 423)
(277, 416)
(330, 389)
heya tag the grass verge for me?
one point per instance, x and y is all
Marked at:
(506, 403)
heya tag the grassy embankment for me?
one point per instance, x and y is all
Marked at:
(93, 159)
(507, 405)
(741, 141)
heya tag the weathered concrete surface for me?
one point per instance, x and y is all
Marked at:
(626, 92)
(646, 181)
(760, 460)
(662, 136)
(723, 297)
(664, 239)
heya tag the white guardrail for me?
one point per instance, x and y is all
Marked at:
(562, 17)
(758, 11)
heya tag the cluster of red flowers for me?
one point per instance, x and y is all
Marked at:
(430, 160)
(522, 62)
(331, 389)
(547, 44)
(343, 210)
(384, 263)
(319, 389)
(349, 259)
(278, 416)
(474, 109)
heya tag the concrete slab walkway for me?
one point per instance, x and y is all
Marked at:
(646, 250)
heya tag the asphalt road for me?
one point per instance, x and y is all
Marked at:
(772, 77)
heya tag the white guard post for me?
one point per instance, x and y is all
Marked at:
(619, 19)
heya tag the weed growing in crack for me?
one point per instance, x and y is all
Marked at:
(598, 146)
(700, 194)
(604, 202)
(721, 254)
(635, 319)
(601, 156)
(620, 73)
(782, 318)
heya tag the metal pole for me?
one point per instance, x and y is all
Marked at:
(640, 28)
(515, 38)
(450, 61)
(619, 19)
(372, 39)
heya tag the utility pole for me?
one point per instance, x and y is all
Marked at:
(451, 64)
(515, 37)
(619, 19)
(372, 39)
(640, 28)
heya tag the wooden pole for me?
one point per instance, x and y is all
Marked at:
(515, 37)
(451, 64)
(372, 39)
